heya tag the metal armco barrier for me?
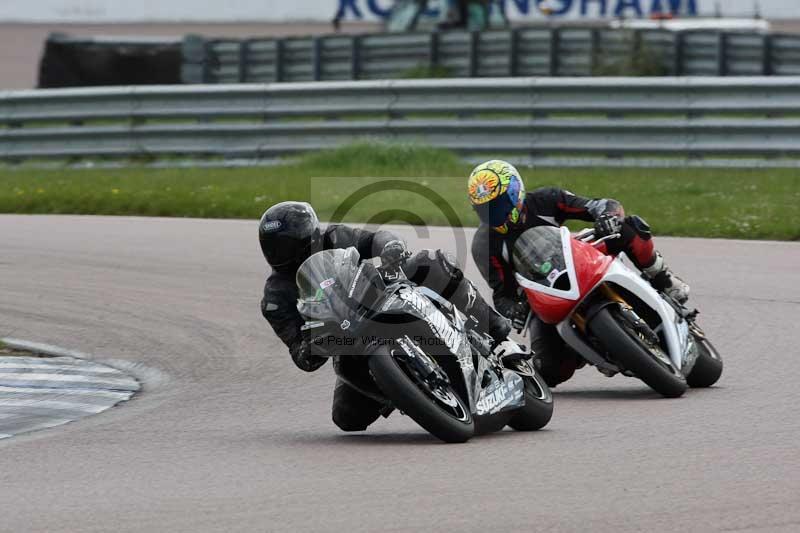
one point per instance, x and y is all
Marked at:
(696, 118)
(532, 51)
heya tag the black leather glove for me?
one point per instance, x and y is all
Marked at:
(393, 253)
(303, 356)
(606, 225)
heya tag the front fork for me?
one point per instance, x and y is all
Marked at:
(610, 294)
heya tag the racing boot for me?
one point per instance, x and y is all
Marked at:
(662, 279)
(509, 351)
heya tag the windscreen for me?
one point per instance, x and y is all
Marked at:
(323, 281)
(538, 255)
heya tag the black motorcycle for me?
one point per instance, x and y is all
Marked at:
(406, 347)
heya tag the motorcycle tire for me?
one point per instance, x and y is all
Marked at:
(538, 408)
(708, 366)
(408, 397)
(632, 354)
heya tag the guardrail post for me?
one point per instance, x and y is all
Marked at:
(594, 51)
(279, 46)
(433, 50)
(555, 42)
(194, 59)
(766, 67)
(679, 42)
(316, 58)
(513, 52)
(355, 57)
(211, 63)
(722, 54)
(244, 59)
(473, 54)
(638, 41)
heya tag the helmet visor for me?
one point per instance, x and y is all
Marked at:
(496, 212)
(285, 250)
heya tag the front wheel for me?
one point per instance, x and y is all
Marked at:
(634, 349)
(439, 409)
(538, 408)
(708, 367)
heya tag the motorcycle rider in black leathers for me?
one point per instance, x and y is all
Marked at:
(497, 194)
(289, 233)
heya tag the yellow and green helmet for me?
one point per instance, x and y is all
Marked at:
(497, 193)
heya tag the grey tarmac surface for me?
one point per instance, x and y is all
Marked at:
(237, 439)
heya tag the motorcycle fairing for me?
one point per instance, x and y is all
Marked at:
(586, 268)
(552, 304)
(503, 391)
(573, 293)
(675, 329)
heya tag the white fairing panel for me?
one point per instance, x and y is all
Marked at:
(623, 276)
(574, 292)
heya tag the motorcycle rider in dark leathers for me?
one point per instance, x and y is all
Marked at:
(289, 233)
(497, 193)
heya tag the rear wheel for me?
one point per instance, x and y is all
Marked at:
(635, 348)
(708, 367)
(538, 408)
(437, 408)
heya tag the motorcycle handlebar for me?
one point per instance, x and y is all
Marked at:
(587, 236)
(606, 238)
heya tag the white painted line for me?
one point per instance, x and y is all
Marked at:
(46, 425)
(121, 395)
(39, 392)
(5, 376)
(55, 404)
(78, 367)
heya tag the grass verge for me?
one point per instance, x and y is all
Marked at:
(733, 203)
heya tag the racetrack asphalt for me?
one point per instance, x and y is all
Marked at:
(237, 439)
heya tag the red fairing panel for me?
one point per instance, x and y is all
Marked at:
(590, 265)
(550, 309)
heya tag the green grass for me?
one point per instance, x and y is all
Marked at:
(736, 203)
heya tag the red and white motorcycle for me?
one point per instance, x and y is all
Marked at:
(609, 315)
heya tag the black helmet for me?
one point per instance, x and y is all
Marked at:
(288, 233)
